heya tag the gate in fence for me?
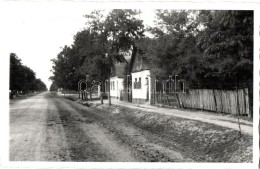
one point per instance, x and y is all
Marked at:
(91, 88)
(165, 91)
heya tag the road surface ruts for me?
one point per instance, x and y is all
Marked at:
(48, 128)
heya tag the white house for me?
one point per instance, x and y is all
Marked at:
(116, 80)
(141, 79)
(116, 86)
(141, 90)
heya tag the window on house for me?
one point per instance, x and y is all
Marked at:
(146, 81)
(113, 85)
(135, 83)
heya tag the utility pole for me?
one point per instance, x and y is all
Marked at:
(86, 93)
(109, 98)
(109, 85)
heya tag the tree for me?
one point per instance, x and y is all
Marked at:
(53, 87)
(16, 75)
(86, 56)
(122, 29)
(208, 48)
(23, 78)
(227, 44)
(92, 54)
(39, 85)
(173, 48)
(65, 67)
(97, 48)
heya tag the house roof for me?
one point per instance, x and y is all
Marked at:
(118, 70)
(140, 62)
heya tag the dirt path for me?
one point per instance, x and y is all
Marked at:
(35, 131)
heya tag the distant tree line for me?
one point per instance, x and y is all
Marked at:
(53, 87)
(208, 49)
(22, 78)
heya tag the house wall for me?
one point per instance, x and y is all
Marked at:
(139, 95)
(116, 85)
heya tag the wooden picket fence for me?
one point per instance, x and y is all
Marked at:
(220, 101)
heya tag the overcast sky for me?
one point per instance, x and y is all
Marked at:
(37, 31)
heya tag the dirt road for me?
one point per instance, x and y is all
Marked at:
(47, 127)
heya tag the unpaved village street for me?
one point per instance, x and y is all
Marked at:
(48, 127)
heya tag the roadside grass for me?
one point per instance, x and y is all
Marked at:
(71, 97)
(201, 141)
(75, 97)
(21, 97)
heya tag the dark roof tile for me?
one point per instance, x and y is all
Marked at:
(118, 69)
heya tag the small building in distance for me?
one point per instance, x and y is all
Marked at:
(116, 79)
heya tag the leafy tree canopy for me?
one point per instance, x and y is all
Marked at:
(207, 48)
(97, 47)
(22, 78)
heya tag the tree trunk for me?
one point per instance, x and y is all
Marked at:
(109, 98)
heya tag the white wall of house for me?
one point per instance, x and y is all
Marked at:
(141, 91)
(116, 85)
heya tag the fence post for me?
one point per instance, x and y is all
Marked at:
(238, 108)
(157, 97)
(244, 97)
(215, 100)
(221, 102)
(163, 99)
(238, 113)
(168, 100)
(153, 96)
(101, 97)
(178, 100)
(160, 97)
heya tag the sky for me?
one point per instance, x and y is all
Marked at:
(36, 31)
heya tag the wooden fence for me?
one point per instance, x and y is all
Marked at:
(221, 101)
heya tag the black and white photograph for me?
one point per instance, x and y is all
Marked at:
(126, 83)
